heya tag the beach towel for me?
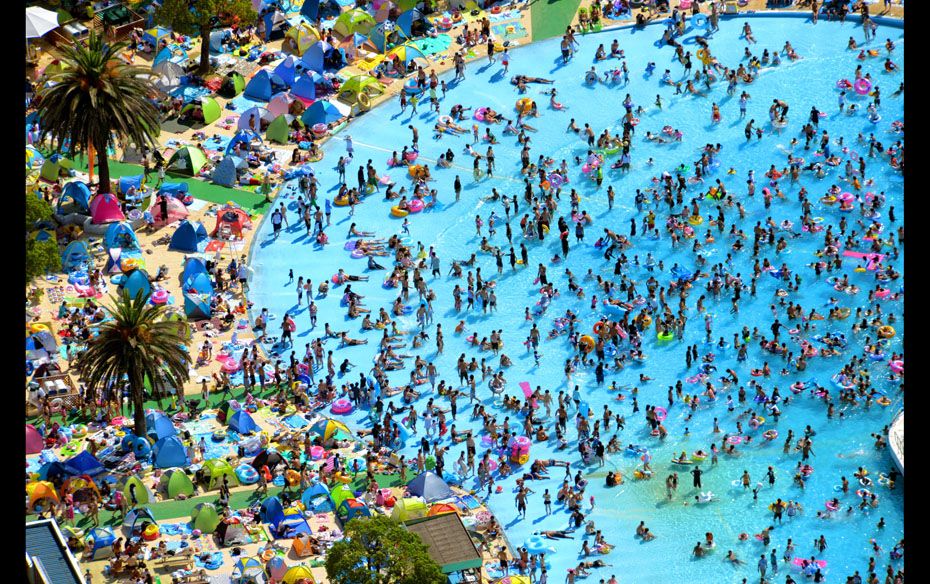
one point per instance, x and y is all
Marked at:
(469, 501)
(209, 561)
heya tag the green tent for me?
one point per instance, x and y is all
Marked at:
(215, 469)
(278, 130)
(354, 21)
(409, 508)
(360, 89)
(143, 494)
(53, 165)
(233, 85)
(187, 160)
(205, 518)
(175, 482)
(211, 109)
(340, 494)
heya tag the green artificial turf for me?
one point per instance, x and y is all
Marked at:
(550, 17)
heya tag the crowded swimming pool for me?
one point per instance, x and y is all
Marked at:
(842, 443)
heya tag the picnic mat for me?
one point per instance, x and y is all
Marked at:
(215, 245)
(242, 103)
(189, 93)
(431, 46)
(504, 32)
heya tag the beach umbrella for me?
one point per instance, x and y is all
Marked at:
(406, 53)
(39, 21)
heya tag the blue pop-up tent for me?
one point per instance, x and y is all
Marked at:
(242, 423)
(216, 40)
(136, 281)
(103, 538)
(159, 425)
(83, 463)
(127, 182)
(316, 499)
(121, 235)
(192, 267)
(314, 58)
(271, 511)
(304, 88)
(321, 112)
(243, 136)
(196, 306)
(74, 255)
(429, 486)
(259, 86)
(286, 72)
(199, 283)
(188, 237)
(169, 452)
(225, 172)
(75, 198)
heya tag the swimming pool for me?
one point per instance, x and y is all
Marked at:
(840, 446)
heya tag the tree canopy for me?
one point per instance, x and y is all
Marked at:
(378, 550)
(202, 16)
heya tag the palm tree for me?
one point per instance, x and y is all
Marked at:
(94, 96)
(140, 342)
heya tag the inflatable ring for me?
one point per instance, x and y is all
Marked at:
(247, 474)
(695, 220)
(415, 206)
(267, 555)
(342, 406)
(219, 436)
(666, 336)
(598, 327)
(647, 320)
(699, 21)
(38, 328)
(398, 212)
(524, 105)
(586, 343)
(770, 434)
(341, 201)
(886, 332)
(79, 430)
(160, 296)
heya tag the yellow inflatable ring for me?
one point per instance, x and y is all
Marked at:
(38, 328)
(524, 105)
(341, 201)
(695, 220)
(267, 555)
(586, 343)
(886, 332)
(398, 212)
(647, 320)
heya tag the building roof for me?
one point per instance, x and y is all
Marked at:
(448, 541)
(45, 543)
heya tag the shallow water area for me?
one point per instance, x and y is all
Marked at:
(840, 444)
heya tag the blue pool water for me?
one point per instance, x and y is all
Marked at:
(840, 446)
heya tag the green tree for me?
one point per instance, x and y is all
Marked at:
(201, 16)
(96, 99)
(141, 342)
(36, 210)
(378, 550)
(41, 257)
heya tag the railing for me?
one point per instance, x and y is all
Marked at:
(896, 440)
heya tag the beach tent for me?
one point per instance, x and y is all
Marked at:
(280, 103)
(177, 210)
(158, 425)
(302, 546)
(353, 21)
(246, 565)
(197, 306)
(41, 492)
(204, 517)
(233, 85)
(153, 35)
(121, 235)
(298, 573)
(135, 282)
(406, 52)
(52, 470)
(34, 441)
(199, 284)
(352, 508)
(169, 452)
(187, 160)
(299, 38)
(314, 58)
(144, 495)
(129, 182)
(105, 208)
(192, 266)
(443, 508)
(138, 517)
(41, 345)
(327, 428)
(216, 40)
(231, 532)
(271, 511)
(304, 89)
(242, 423)
(82, 489)
(251, 119)
(74, 255)
(292, 524)
(270, 458)
(53, 166)
(340, 494)
(361, 88)
(102, 546)
(83, 463)
(174, 482)
(286, 71)
(167, 54)
(210, 109)
(276, 566)
(321, 112)
(274, 21)
(429, 486)
(225, 172)
(75, 198)
(408, 17)
(279, 130)
(215, 470)
(243, 136)
(259, 87)
(317, 498)
(230, 221)
(408, 508)
(310, 10)
(187, 236)
(167, 76)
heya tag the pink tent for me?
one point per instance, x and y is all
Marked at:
(280, 104)
(34, 442)
(176, 210)
(104, 208)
